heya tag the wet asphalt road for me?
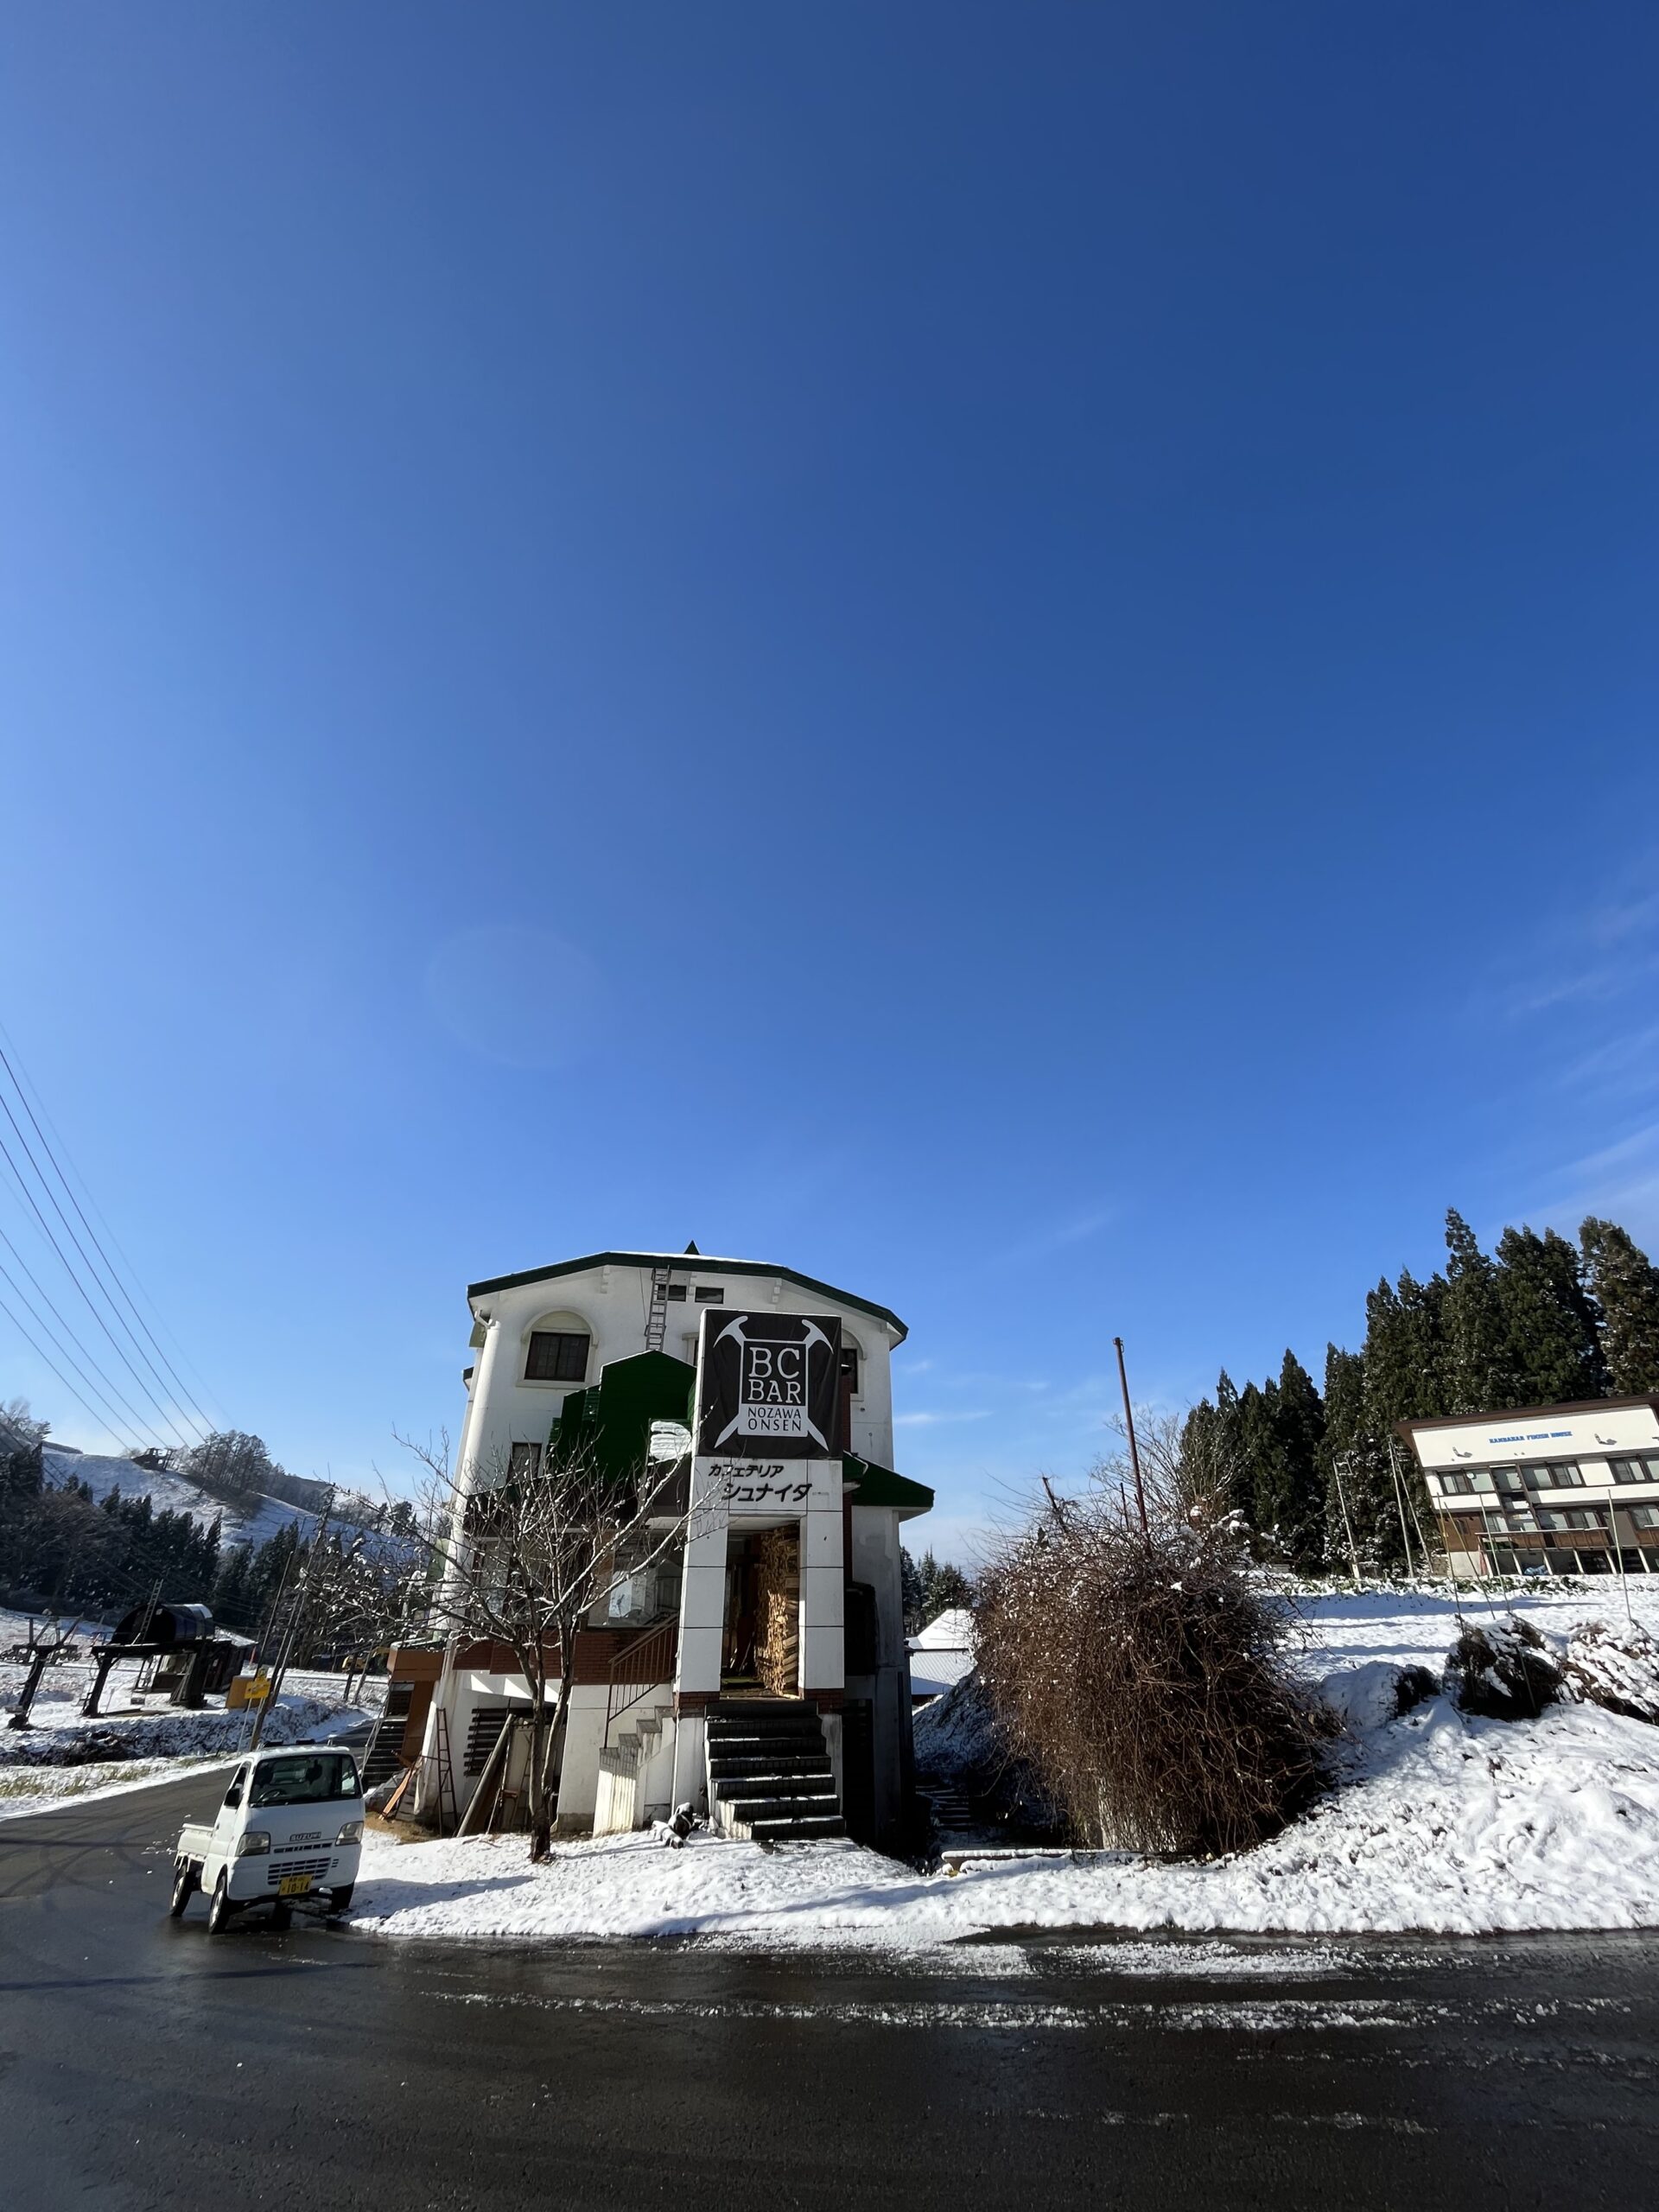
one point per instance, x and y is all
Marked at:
(143, 2065)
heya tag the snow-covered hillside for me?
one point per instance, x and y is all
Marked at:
(175, 1493)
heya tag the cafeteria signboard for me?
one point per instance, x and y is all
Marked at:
(768, 1386)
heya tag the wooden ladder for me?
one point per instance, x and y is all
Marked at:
(445, 1771)
(657, 1318)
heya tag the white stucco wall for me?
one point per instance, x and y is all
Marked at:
(1509, 1439)
(612, 1304)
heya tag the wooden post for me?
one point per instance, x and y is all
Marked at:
(1342, 1500)
(1134, 1449)
(31, 1683)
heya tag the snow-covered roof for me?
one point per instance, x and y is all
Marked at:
(932, 1673)
(952, 1631)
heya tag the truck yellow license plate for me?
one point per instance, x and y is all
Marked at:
(293, 1885)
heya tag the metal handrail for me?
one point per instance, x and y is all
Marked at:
(655, 1644)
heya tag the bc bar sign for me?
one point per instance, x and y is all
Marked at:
(767, 1386)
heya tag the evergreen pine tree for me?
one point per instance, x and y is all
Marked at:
(952, 1591)
(1354, 1470)
(229, 1598)
(1404, 1362)
(1625, 1284)
(1261, 1479)
(1199, 1432)
(1550, 1325)
(1231, 1439)
(1208, 1470)
(1404, 1365)
(1477, 1373)
(1299, 1423)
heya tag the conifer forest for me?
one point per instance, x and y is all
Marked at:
(1539, 1321)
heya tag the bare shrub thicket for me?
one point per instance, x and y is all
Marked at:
(1616, 1669)
(1502, 1670)
(1142, 1671)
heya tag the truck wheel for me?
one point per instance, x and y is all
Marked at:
(221, 1909)
(341, 1901)
(184, 1884)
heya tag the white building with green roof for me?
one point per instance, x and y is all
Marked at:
(760, 1669)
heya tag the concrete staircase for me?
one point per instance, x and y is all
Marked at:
(770, 1779)
(636, 1771)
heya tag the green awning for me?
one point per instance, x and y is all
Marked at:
(873, 1486)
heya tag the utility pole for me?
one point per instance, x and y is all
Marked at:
(1342, 1500)
(1618, 1561)
(296, 1621)
(1399, 1501)
(268, 1628)
(1134, 1449)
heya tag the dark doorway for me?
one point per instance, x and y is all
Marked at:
(760, 1649)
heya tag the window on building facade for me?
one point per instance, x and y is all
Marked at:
(1557, 1475)
(556, 1355)
(525, 1460)
(1635, 1470)
(1574, 1516)
(1455, 1485)
(678, 1290)
(1645, 1516)
(849, 1391)
(708, 1294)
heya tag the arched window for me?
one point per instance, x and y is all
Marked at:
(557, 1349)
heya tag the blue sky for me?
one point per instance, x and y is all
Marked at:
(1006, 654)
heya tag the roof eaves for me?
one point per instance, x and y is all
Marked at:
(702, 1264)
(1409, 1426)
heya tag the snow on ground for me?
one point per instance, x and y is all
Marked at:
(62, 1754)
(42, 1767)
(1443, 1822)
(41, 1790)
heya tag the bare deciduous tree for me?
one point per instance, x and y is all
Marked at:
(526, 1556)
(359, 1587)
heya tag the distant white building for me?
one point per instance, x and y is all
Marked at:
(941, 1653)
(1547, 1489)
(611, 1342)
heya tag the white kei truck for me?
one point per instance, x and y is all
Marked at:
(291, 1827)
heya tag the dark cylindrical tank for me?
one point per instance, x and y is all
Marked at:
(167, 1625)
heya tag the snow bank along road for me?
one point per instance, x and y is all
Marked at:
(142, 2064)
(1444, 1823)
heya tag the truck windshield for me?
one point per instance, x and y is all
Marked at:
(309, 1781)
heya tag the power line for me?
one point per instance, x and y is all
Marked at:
(46, 1226)
(108, 1393)
(30, 1092)
(105, 1386)
(200, 1420)
(53, 1364)
(158, 1402)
